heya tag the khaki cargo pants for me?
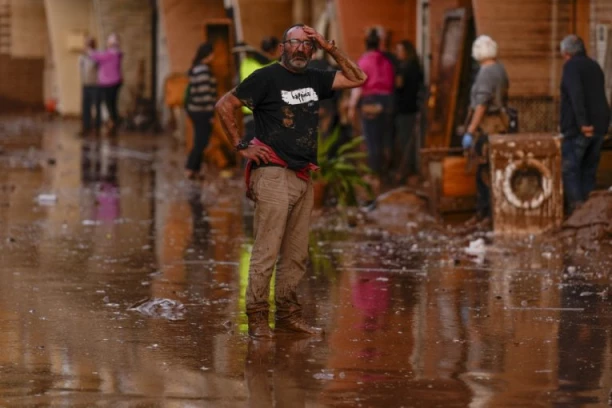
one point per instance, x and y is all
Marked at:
(283, 204)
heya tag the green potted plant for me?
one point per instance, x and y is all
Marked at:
(340, 174)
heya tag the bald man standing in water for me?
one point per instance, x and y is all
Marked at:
(284, 98)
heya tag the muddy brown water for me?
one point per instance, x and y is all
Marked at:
(412, 319)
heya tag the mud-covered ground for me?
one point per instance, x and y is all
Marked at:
(123, 286)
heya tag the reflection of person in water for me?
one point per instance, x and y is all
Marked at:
(287, 365)
(581, 345)
(99, 165)
(371, 297)
(201, 227)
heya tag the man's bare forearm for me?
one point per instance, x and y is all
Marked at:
(479, 113)
(350, 69)
(227, 116)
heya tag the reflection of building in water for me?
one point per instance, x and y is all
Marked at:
(274, 371)
(585, 339)
(70, 341)
(487, 321)
(99, 161)
(517, 315)
(374, 342)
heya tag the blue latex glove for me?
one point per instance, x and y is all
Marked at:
(467, 141)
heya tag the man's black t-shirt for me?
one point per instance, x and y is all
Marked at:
(285, 106)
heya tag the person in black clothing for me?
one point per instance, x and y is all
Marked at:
(584, 121)
(408, 84)
(285, 99)
(200, 104)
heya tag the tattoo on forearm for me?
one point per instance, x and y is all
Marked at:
(350, 69)
(228, 122)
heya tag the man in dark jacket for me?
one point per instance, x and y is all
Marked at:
(584, 121)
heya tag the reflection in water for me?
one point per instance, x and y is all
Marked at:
(585, 338)
(99, 171)
(405, 327)
(274, 371)
(99, 161)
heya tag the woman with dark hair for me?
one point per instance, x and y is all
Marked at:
(408, 83)
(200, 106)
(374, 99)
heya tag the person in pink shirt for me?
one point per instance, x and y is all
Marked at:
(110, 78)
(374, 99)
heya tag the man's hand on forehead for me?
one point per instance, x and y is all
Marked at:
(317, 37)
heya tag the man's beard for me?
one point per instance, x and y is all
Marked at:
(298, 61)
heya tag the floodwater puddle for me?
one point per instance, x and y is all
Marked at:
(415, 313)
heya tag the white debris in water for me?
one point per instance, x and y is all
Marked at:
(586, 294)
(324, 376)
(382, 279)
(476, 247)
(547, 255)
(90, 222)
(46, 199)
(160, 308)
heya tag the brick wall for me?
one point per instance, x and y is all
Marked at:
(131, 20)
(276, 13)
(397, 16)
(29, 36)
(601, 13)
(528, 37)
(68, 21)
(183, 22)
(21, 83)
(21, 79)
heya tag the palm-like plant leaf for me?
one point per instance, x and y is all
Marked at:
(344, 171)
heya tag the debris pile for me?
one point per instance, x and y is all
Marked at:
(592, 221)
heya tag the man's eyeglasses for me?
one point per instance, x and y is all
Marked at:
(295, 43)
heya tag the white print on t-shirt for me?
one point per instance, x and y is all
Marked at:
(299, 96)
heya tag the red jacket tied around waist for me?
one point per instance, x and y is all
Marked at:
(303, 173)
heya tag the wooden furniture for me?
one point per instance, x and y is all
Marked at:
(526, 186)
(451, 183)
(447, 97)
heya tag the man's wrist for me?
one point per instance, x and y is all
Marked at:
(241, 145)
(330, 46)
